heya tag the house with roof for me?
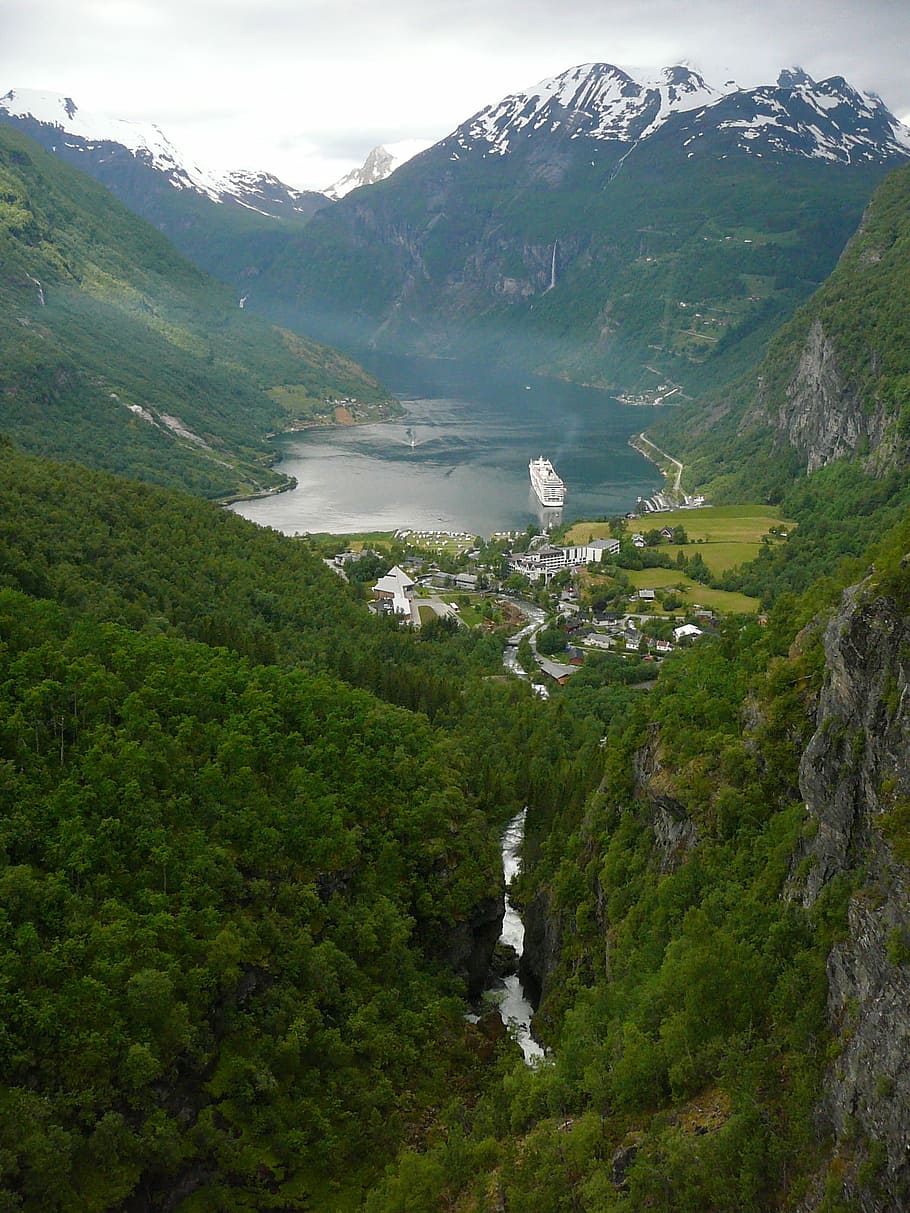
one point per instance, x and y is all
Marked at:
(686, 631)
(392, 592)
(557, 670)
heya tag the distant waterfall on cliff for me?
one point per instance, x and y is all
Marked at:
(553, 267)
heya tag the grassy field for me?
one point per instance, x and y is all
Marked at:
(730, 534)
(692, 592)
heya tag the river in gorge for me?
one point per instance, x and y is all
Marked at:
(512, 1002)
(457, 460)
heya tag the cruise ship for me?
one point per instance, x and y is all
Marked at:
(550, 490)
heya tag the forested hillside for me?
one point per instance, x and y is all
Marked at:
(249, 833)
(116, 352)
(721, 938)
(834, 383)
(244, 901)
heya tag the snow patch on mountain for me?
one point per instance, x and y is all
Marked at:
(827, 120)
(823, 120)
(145, 140)
(594, 100)
(379, 164)
(82, 131)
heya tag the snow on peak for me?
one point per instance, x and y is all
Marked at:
(828, 119)
(821, 120)
(597, 100)
(379, 164)
(145, 140)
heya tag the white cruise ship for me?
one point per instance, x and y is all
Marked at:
(550, 490)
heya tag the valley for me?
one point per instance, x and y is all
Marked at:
(253, 825)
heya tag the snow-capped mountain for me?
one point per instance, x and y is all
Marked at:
(828, 120)
(595, 100)
(93, 140)
(646, 220)
(379, 164)
(78, 129)
(820, 120)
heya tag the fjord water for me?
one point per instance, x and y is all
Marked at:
(458, 459)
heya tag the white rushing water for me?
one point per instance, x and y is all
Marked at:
(514, 1007)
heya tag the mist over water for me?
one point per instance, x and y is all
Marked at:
(458, 459)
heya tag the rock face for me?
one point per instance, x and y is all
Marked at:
(823, 418)
(542, 946)
(854, 775)
(675, 834)
(469, 947)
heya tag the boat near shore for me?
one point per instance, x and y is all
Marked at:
(549, 487)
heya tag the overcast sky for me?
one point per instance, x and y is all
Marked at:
(305, 88)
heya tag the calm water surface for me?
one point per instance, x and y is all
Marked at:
(458, 459)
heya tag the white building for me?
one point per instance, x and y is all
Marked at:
(686, 631)
(394, 591)
(547, 560)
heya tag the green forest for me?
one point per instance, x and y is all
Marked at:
(118, 353)
(250, 832)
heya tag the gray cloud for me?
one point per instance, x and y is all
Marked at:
(305, 87)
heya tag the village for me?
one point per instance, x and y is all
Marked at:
(625, 592)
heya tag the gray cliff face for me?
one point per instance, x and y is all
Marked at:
(822, 417)
(468, 947)
(675, 834)
(856, 770)
(542, 945)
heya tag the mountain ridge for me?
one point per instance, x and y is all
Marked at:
(594, 228)
(86, 132)
(117, 352)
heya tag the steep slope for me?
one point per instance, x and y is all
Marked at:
(602, 228)
(722, 938)
(229, 887)
(226, 223)
(836, 381)
(118, 353)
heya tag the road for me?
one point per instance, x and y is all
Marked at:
(663, 455)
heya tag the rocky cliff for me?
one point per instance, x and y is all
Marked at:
(825, 417)
(855, 778)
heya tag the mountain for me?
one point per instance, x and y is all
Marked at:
(836, 380)
(595, 101)
(221, 221)
(606, 229)
(798, 116)
(116, 352)
(379, 164)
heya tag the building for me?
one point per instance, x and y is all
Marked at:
(547, 560)
(687, 631)
(393, 592)
(646, 596)
(556, 670)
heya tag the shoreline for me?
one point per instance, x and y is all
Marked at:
(297, 427)
(289, 484)
(655, 455)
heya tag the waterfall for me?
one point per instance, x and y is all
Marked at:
(514, 1007)
(553, 267)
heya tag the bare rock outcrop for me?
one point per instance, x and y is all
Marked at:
(854, 776)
